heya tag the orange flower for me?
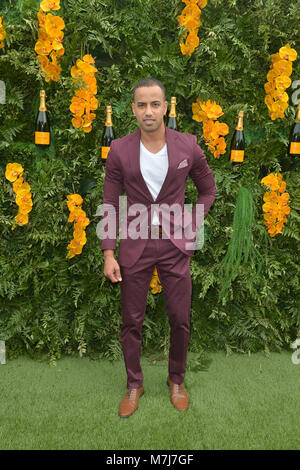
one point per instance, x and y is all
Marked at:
(2, 32)
(77, 107)
(47, 5)
(88, 58)
(77, 122)
(43, 60)
(23, 195)
(212, 110)
(207, 113)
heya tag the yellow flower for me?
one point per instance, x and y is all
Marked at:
(13, 170)
(75, 199)
(272, 182)
(57, 43)
(52, 70)
(21, 188)
(85, 67)
(43, 47)
(43, 60)
(283, 67)
(24, 199)
(2, 34)
(288, 53)
(54, 25)
(21, 218)
(283, 81)
(25, 208)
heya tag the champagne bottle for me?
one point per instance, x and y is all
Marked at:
(294, 144)
(172, 124)
(42, 123)
(237, 146)
(108, 134)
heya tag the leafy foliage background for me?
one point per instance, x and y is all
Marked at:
(50, 305)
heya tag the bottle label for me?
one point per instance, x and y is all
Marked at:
(237, 155)
(108, 123)
(104, 152)
(295, 148)
(172, 115)
(42, 138)
(42, 108)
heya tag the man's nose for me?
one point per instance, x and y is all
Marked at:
(148, 110)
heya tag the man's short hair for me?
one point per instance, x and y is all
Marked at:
(149, 81)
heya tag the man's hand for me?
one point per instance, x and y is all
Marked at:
(112, 268)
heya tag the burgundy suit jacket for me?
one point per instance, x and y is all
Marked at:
(123, 171)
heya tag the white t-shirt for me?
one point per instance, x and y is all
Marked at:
(154, 168)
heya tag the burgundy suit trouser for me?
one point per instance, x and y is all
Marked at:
(173, 268)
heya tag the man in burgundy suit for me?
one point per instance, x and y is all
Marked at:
(152, 164)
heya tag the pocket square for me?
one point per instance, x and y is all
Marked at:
(182, 164)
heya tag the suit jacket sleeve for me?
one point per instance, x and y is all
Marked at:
(113, 187)
(203, 179)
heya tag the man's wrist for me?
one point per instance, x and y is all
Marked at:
(108, 253)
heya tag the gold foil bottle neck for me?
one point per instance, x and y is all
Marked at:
(42, 101)
(173, 107)
(108, 121)
(240, 123)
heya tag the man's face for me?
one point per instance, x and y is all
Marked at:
(149, 107)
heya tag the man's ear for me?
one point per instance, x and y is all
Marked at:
(132, 107)
(166, 104)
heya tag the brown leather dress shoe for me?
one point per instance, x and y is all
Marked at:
(129, 403)
(178, 395)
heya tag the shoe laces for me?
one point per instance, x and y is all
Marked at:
(131, 393)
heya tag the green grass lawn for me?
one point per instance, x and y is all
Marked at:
(240, 402)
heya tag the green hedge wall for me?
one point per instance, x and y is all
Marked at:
(50, 305)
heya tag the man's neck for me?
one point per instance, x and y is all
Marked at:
(154, 139)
